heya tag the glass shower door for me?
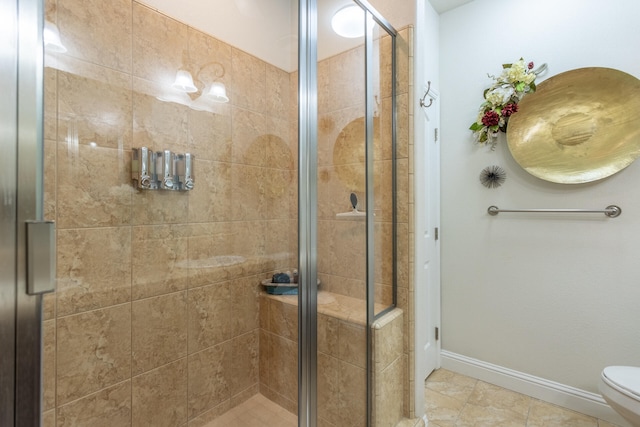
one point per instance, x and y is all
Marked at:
(171, 173)
(356, 210)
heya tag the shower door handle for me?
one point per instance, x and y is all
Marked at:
(41, 257)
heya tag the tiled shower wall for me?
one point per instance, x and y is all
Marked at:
(155, 318)
(155, 321)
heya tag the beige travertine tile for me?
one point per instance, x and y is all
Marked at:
(158, 323)
(284, 367)
(283, 320)
(348, 257)
(49, 306)
(210, 200)
(278, 90)
(160, 264)
(49, 364)
(545, 414)
(389, 394)
(602, 423)
(244, 395)
(491, 396)
(210, 315)
(159, 397)
(50, 124)
(402, 264)
(250, 242)
(383, 253)
(159, 45)
(248, 195)
(442, 409)
(352, 346)
(328, 334)
(93, 187)
(160, 207)
(158, 125)
(403, 51)
(387, 339)
(249, 81)
(244, 302)
(94, 269)
(403, 126)
(265, 358)
(402, 193)
(212, 257)
(211, 417)
(279, 249)
(451, 384)
(106, 408)
(97, 32)
(481, 416)
(242, 362)
(249, 131)
(328, 388)
(210, 136)
(94, 106)
(49, 418)
(353, 394)
(340, 82)
(94, 351)
(50, 149)
(208, 380)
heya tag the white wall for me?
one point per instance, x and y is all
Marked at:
(553, 296)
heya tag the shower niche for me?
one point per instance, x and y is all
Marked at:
(162, 170)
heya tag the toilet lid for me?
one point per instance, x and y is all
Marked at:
(627, 378)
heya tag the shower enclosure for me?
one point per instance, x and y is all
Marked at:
(187, 153)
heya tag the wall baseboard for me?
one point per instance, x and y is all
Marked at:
(558, 394)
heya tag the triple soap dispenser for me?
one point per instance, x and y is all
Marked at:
(162, 170)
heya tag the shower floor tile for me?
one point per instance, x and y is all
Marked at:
(258, 411)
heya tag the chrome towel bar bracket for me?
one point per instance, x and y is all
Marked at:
(612, 211)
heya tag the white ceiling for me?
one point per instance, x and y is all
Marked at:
(268, 29)
(441, 6)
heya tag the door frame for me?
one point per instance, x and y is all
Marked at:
(21, 184)
(425, 204)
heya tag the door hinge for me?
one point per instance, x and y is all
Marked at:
(435, 135)
(437, 333)
(437, 233)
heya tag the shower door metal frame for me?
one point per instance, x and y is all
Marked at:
(308, 201)
(307, 212)
(21, 187)
(369, 180)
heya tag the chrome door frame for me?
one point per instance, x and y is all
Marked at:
(8, 208)
(21, 183)
(307, 212)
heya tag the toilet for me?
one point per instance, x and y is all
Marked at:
(620, 387)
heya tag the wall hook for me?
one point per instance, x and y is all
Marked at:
(422, 104)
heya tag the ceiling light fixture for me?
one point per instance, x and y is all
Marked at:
(348, 21)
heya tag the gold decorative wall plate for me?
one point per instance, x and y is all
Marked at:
(579, 126)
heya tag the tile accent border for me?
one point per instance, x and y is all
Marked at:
(549, 391)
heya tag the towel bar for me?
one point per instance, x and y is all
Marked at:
(612, 211)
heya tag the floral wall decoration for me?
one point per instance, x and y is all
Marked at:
(501, 100)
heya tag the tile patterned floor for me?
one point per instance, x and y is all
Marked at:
(258, 411)
(454, 400)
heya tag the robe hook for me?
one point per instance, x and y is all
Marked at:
(422, 104)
